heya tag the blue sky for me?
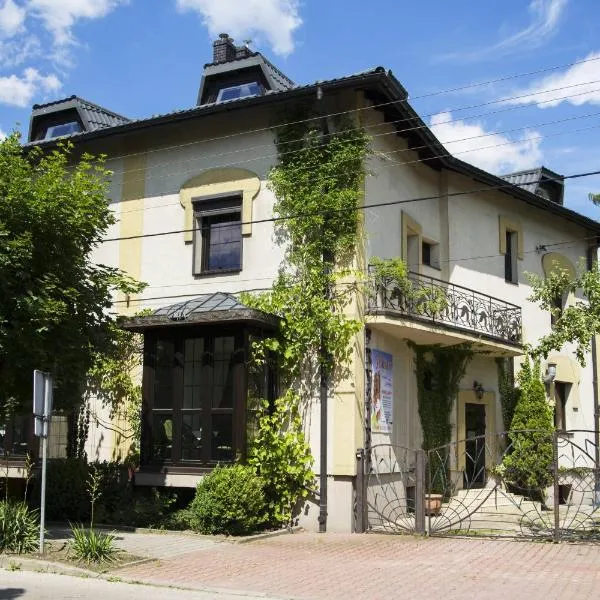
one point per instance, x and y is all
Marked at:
(144, 57)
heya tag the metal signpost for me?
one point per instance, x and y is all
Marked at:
(42, 411)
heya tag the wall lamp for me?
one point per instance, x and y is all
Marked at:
(550, 373)
(478, 389)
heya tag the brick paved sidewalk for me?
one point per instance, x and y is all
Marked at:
(330, 566)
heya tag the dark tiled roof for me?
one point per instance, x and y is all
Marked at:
(526, 180)
(93, 117)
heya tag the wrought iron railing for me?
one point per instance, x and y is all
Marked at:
(430, 299)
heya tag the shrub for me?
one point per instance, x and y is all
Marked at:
(229, 500)
(91, 546)
(19, 528)
(528, 466)
(281, 456)
(67, 497)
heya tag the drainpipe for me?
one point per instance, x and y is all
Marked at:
(324, 371)
(596, 417)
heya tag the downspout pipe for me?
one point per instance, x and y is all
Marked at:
(324, 370)
(596, 421)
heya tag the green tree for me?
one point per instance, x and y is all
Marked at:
(578, 322)
(55, 302)
(528, 464)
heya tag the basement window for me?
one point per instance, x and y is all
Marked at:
(245, 90)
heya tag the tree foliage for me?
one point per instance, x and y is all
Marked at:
(281, 455)
(528, 464)
(578, 322)
(55, 301)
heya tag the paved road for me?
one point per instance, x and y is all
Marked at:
(23, 585)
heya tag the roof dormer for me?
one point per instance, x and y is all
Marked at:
(68, 117)
(236, 72)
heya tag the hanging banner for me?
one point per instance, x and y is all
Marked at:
(382, 394)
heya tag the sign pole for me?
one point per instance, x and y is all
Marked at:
(43, 498)
(42, 410)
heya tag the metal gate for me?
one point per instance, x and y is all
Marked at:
(520, 484)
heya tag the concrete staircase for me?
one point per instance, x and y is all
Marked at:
(490, 511)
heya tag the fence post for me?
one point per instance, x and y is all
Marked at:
(556, 486)
(360, 525)
(420, 494)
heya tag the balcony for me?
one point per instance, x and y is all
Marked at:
(445, 309)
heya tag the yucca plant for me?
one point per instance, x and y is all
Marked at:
(91, 546)
(19, 528)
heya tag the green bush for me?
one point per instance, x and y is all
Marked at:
(229, 500)
(91, 546)
(67, 497)
(528, 465)
(281, 456)
(19, 528)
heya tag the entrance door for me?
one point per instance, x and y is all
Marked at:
(474, 474)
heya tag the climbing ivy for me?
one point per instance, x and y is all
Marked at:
(317, 185)
(438, 371)
(509, 393)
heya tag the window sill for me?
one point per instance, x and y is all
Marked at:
(515, 283)
(217, 272)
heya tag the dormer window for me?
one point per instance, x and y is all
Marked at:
(236, 92)
(56, 131)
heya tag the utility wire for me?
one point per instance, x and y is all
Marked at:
(330, 212)
(371, 106)
(416, 161)
(365, 127)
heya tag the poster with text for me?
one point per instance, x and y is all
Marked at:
(382, 392)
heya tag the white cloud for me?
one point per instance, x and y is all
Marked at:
(59, 16)
(20, 91)
(576, 81)
(494, 153)
(545, 19)
(16, 51)
(275, 20)
(12, 18)
(2, 135)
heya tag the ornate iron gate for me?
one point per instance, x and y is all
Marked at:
(520, 484)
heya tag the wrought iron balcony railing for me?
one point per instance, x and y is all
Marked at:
(430, 299)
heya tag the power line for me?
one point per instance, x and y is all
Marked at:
(361, 271)
(367, 127)
(356, 208)
(421, 160)
(354, 110)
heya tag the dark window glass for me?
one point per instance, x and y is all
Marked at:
(162, 436)
(222, 242)
(561, 393)
(239, 91)
(163, 374)
(191, 436)
(195, 398)
(510, 257)
(426, 253)
(222, 437)
(55, 131)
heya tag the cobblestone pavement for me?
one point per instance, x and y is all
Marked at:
(330, 566)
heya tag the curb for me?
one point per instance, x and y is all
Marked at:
(264, 536)
(35, 565)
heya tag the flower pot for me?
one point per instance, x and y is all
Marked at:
(433, 504)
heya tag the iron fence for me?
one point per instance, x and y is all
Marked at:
(519, 484)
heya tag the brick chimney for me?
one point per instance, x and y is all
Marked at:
(224, 49)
